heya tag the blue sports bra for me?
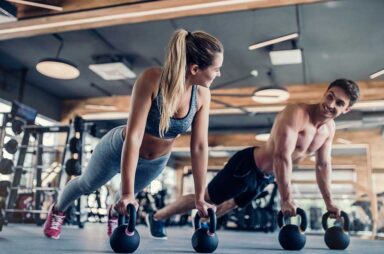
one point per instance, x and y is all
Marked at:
(176, 125)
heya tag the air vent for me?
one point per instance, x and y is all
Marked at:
(112, 71)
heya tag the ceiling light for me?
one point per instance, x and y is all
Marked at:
(254, 73)
(270, 94)
(273, 41)
(219, 153)
(376, 74)
(263, 137)
(40, 5)
(100, 107)
(112, 71)
(8, 12)
(106, 116)
(344, 141)
(280, 57)
(57, 68)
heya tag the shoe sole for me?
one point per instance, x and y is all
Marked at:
(149, 230)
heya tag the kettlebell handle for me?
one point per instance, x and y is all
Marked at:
(303, 219)
(132, 218)
(342, 214)
(212, 221)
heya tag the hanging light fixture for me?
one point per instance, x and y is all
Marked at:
(56, 67)
(270, 94)
(263, 137)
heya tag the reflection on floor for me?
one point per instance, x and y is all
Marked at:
(29, 239)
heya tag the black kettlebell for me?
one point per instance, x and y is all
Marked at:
(205, 240)
(125, 238)
(292, 237)
(336, 238)
(17, 126)
(11, 146)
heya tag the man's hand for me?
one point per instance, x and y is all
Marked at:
(334, 210)
(288, 208)
(202, 207)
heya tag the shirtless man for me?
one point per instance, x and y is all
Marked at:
(298, 131)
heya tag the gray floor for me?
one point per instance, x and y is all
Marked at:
(28, 239)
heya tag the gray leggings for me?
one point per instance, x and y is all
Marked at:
(104, 164)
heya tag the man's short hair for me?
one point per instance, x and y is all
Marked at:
(349, 87)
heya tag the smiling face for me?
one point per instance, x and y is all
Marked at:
(205, 77)
(334, 103)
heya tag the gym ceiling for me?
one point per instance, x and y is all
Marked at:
(337, 39)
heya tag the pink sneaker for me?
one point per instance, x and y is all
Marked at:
(112, 221)
(53, 223)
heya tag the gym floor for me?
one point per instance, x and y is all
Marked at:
(19, 238)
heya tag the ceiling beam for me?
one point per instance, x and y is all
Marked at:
(372, 95)
(24, 11)
(134, 13)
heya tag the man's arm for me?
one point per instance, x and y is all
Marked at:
(285, 133)
(324, 171)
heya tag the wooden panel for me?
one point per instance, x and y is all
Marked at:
(79, 107)
(371, 91)
(370, 136)
(25, 11)
(311, 93)
(135, 13)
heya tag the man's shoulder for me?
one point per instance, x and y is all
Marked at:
(297, 110)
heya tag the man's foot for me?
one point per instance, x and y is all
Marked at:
(112, 222)
(53, 223)
(156, 227)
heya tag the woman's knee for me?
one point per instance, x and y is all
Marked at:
(84, 186)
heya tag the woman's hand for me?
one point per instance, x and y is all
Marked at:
(202, 207)
(121, 205)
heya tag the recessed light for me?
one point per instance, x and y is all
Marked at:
(254, 73)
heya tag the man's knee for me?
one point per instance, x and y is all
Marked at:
(207, 198)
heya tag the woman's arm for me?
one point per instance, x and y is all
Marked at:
(199, 149)
(140, 104)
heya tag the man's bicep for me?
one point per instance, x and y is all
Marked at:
(323, 155)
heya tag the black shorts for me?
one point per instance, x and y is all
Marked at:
(240, 179)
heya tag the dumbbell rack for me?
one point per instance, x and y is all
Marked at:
(38, 190)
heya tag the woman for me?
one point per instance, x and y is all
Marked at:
(165, 102)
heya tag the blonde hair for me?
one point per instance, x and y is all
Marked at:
(183, 49)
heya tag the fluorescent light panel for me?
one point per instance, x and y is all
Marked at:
(273, 41)
(376, 74)
(40, 5)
